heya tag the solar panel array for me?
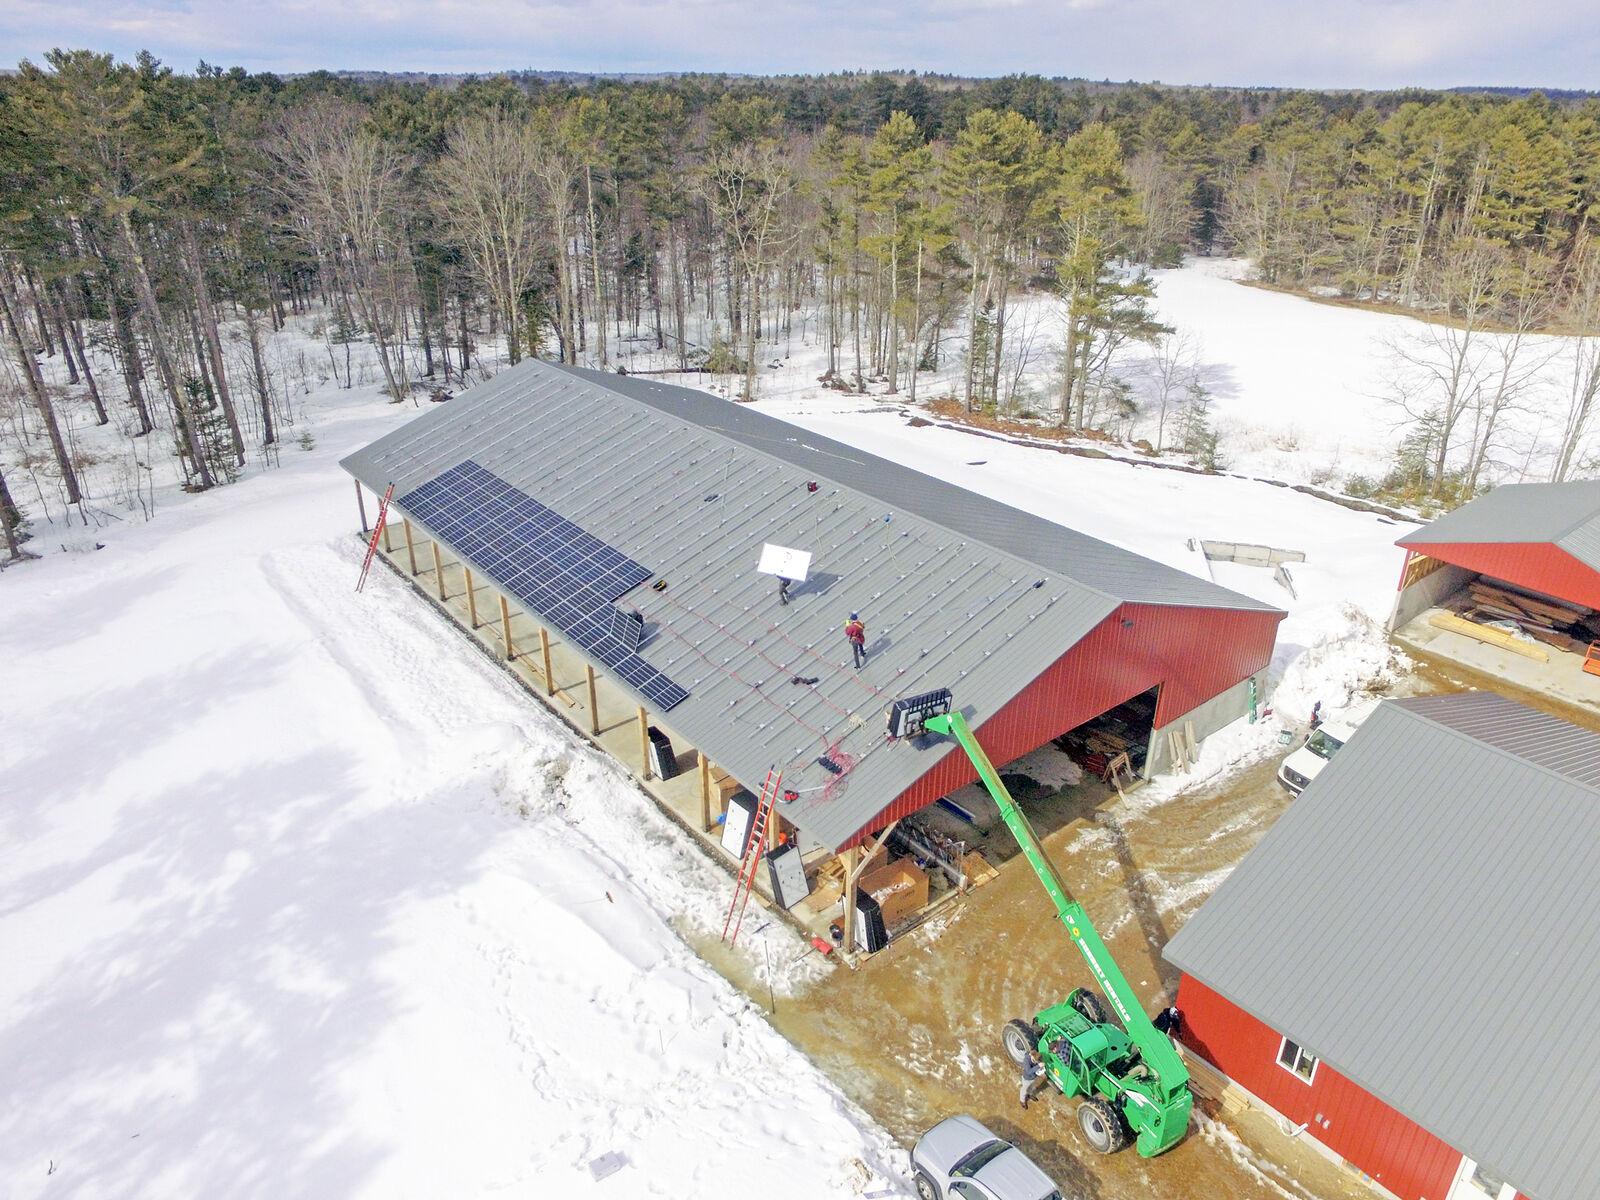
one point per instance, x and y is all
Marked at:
(567, 576)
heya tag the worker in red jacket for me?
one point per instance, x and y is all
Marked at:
(856, 634)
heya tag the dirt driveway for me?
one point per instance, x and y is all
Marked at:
(914, 1035)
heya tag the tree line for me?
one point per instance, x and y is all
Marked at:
(158, 230)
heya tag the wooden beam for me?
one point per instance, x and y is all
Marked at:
(361, 503)
(705, 793)
(387, 548)
(872, 852)
(850, 874)
(544, 653)
(594, 701)
(644, 741)
(411, 551)
(505, 629)
(438, 569)
(472, 596)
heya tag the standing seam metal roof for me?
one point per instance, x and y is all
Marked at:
(1564, 514)
(691, 486)
(1423, 917)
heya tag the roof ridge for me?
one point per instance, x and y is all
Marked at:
(1241, 602)
(1398, 703)
(736, 444)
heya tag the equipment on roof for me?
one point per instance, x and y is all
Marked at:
(552, 566)
(1131, 1079)
(784, 562)
(908, 717)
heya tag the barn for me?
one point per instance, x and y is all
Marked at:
(1403, 969)
(1516, 570)
(621, 521)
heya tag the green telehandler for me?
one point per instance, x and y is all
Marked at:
(1133, 1084)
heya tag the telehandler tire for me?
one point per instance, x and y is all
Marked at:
(1102, 1126)
(1020, 1039)
(1090, 1005)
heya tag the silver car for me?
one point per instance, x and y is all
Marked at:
(959, 1159)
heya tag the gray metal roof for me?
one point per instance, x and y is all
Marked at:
(691, 486)
(1423, 918)
(1564, 514)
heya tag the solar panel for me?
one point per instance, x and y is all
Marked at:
(556, 568)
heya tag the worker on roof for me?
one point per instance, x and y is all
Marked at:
(783, 589)
(856, 634)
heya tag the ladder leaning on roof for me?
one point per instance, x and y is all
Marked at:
(755, 844)
(377, 532)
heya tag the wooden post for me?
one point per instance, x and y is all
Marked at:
(544, 651)
(361, 503)
(411, 551)
(472, 596)
(594, 701)
(705, 793)
(387, 548)
(438, 569)
(849, 857)
(505, 629)
(644, 741)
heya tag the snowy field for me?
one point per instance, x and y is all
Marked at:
(302, 897)
(1302, 391)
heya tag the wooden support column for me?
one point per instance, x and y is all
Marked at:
(438, 569)
(644, 742)
(411, 550)
(544, 653)
(472, 596)
(594, 701)
(705, 793)
(505, 629)
(361, 503)
(849, 857)
(387, 548)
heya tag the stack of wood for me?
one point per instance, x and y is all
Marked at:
(1095, 747)
(1569, 627)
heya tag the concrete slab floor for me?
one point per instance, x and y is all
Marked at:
(1562, 680)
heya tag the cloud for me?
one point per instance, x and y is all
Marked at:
(1335, 43)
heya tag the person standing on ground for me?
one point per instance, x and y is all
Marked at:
(1032, 1077)
(1169, 1021)
(856, 634)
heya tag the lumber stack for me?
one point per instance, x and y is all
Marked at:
(1569, 627)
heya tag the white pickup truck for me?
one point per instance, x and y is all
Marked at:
(1321, 744)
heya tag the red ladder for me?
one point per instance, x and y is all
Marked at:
(755, 843)
(377, 530)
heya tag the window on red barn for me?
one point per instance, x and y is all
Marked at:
(1297, 1059)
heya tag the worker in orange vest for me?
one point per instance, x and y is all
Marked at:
(856, 634)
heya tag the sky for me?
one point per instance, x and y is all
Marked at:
(1305, 43)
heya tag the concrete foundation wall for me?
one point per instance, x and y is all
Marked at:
(1427, 592)
(1214, 714)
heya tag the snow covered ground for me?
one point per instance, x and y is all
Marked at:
(302, 897)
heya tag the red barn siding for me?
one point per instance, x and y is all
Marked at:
(1193, 653)
(1537, 565)
(1391, 1148)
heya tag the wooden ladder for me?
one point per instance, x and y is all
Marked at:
(377, 531)
(754, 845)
